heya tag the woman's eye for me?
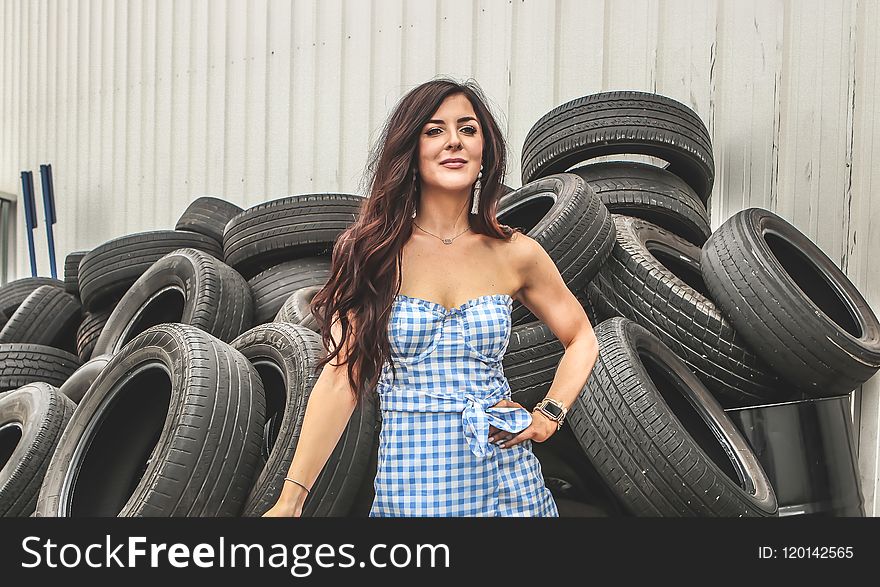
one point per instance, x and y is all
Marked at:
(469, 130)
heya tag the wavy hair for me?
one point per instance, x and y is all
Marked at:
(366, 259)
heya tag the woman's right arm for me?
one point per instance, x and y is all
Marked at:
(329, 409)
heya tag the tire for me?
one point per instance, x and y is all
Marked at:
(612, 123)
(208, 216)
(565, 217)
(660, 440)
(366, 494)
(275, 285)
(48, 316)
(21, 364)
(653, 278)
(583, 297)
(108, 270)
(297, 309)
(651, 193)
(71, 272)
(13, 293)
(792, 303)
(570, 489)
(286, 229)
(185, 286)
(171, 427)
(285, 356)
(89, 331)
(530, 362)
(78, 384)
(32, 419)
(587, 485)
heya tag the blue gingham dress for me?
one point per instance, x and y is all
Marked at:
(434, 455)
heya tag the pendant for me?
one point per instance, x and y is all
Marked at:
(447, 241)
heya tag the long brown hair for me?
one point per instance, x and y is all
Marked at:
(366, 260)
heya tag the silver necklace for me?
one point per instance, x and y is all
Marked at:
(446, 241)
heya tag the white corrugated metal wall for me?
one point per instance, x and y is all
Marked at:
(141, 106)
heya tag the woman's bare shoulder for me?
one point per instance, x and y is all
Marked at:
(520, 246)
(518, 254)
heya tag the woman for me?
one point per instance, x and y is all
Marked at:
(452, 443)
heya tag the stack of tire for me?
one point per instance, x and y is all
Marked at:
(283, 248)
(690, 323)
(185, 407)
(189, 354)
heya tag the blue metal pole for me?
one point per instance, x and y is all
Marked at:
(49, 208)
(30, 215)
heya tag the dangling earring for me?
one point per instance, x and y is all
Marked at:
(476, 204)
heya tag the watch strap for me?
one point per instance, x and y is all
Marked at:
(553, 409)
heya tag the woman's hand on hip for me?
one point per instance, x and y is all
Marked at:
(539, 430)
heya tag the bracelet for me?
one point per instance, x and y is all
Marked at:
(298, 483)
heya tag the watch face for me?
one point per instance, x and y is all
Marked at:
(553, 409)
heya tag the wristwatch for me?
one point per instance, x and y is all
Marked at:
(553, 409)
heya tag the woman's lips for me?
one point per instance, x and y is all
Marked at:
(453, 164)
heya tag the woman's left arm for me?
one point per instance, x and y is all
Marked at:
(546, 295)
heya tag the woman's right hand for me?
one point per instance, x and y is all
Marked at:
(289, 504)
(280, 510)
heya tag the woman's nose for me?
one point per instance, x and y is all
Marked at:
(454, 140)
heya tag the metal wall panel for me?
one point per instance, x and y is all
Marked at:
(141, 106)
(862, 227)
